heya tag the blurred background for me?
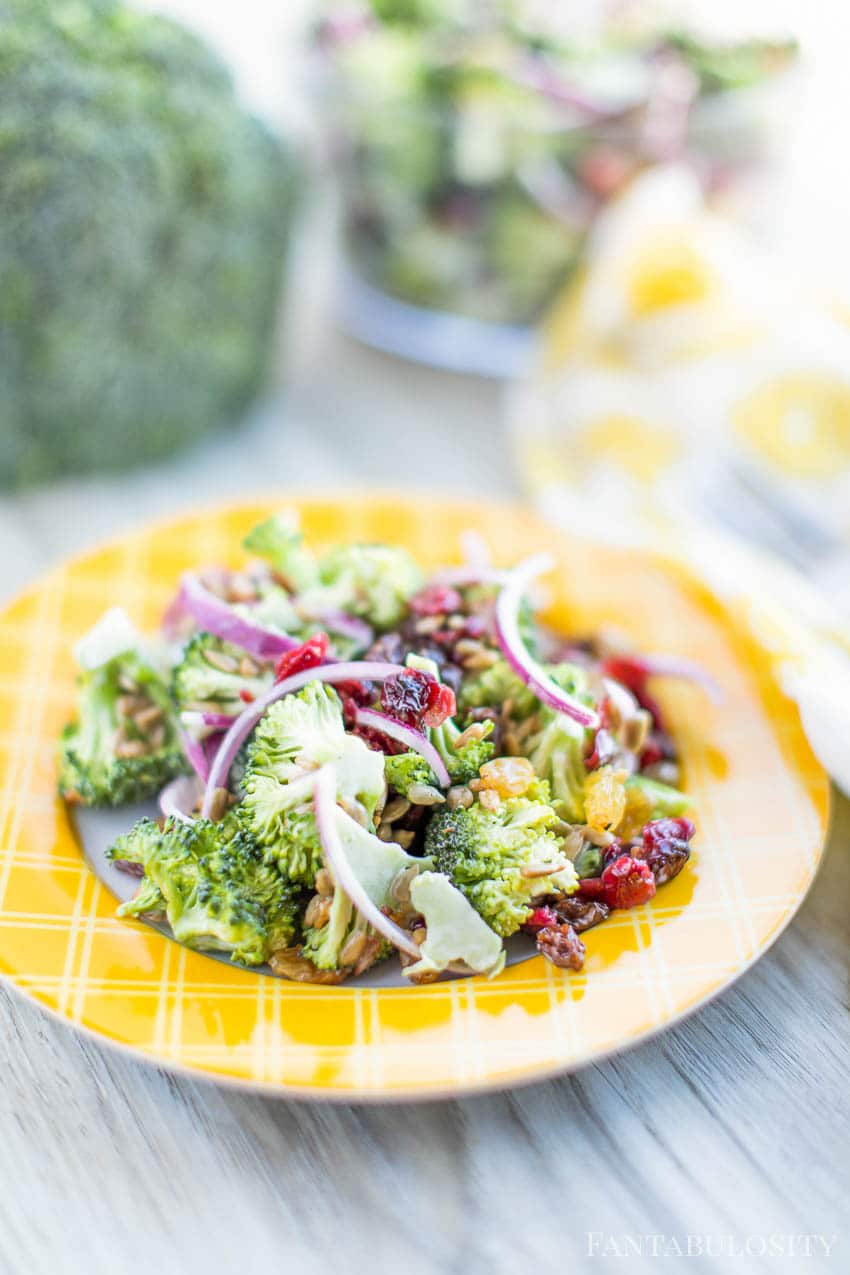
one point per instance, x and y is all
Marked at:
(594, 260)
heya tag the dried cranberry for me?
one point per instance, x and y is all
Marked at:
(435, 599)
(611, 853)
(246, 696)
(561, 945)
(591, 888)
(309, 655)
(627, 882)
(389, 648)
(539, 918)
(604, 749)
(377, 740)
(417, 698)
(670, 829)
(658, 747)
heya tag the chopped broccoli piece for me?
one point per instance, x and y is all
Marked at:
(299, 733)
(375, 864)
(557, 754)
(493, 687)
(456, 937)
(219, 892)
(465, 762)
(485, 852)
(404, 769)
(282, 546)
(666, 801)
(209, 674)
(368, 580)
(274, 610)
(124, 747)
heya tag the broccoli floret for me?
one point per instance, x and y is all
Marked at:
(493, 687)
(370, 581)
(666, 800)
(465, 762)
(210, 674)
(218, 890)
(145, 218)
(375, 864)
(299, 733)
(495, 857)
(282, 546)
(405, 769)
(557, 754)
(124, 746)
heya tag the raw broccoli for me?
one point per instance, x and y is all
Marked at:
(495, 686)
(462, 763)
(404, 769)
(666, 801)
(369, 580)
(496, 856)
(456, 937)
(124, 746)
(282, 546)
(218, 890)
(145, 219)
(375, 863)
(557, 754)
(211, 673)
(299, 733)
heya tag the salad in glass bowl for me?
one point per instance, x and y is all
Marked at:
(356, 763)
(476, 142)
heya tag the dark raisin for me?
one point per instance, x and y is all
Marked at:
(581, 914)
(561, 945)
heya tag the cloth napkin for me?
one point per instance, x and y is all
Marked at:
(693, 397)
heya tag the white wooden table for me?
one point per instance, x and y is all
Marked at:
(733, 1124)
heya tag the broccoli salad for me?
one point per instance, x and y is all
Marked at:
(354, 761)
(477, 141)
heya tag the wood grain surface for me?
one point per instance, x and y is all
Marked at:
(732, 1124)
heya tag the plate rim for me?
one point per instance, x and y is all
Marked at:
(516, 1076)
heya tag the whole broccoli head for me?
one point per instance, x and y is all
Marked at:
(463, 763)
(218, 891)
(145, 217)
(372, 581)
(499, 858)
(124, 746)
(214, 673)
(298, 734)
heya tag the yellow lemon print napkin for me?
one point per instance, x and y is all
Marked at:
(692, 397)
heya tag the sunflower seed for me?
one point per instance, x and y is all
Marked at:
(404, 838)
(156, 737)
(129, 705)
(127, 684)
(425, 795)
(248, 668)
(129, 748)
(385, 832)
(318, 911)
(395, 809)
(353, 948)
(147, 717)
(218, 805)
(472, 734)
(484, 659)
(636, 730)
(533, 870)
(459, 795)
(356, 810)
(324, 883)
(597, 836)
(400, 888)
(222, 661)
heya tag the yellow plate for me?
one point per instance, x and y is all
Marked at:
(761, 796)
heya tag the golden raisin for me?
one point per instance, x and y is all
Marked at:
(508, 776)
(638, 812)
(604, 797)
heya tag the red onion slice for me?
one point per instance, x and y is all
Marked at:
(327, 812)
(218, 617)
(348, 626)
(351, 671)
(516, 653)
(412, 739)
(196, 755)
(179, 797)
